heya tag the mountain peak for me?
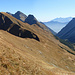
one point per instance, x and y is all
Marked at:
(31, 19)
(73, 18)
(32, 16)
(19, 15)
(18, 12)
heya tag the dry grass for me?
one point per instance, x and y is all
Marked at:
(20, 56)
(15, 62)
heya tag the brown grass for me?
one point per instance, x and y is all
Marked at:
(19, 56)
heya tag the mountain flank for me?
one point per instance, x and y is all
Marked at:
(30, 19)
(29, 56)
(15, 28)
(68, 32)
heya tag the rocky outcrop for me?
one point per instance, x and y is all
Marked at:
(31, 20)
(19, 15)
(15, 29)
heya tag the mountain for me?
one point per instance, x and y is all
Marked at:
(58, 23)
(62, 20)
(32, 20)
(31, 50)
(68, 32)
(19, 15)
(14, 27)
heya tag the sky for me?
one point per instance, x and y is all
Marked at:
(43, 10)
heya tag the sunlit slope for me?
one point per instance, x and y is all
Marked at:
(29, 56)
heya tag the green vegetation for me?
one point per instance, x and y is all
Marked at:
(66, 42)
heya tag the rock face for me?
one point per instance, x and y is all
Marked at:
(31, 20)
(15, 28)
(68, 32)
(19, 15)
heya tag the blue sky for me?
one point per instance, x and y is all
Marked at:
(43, 10)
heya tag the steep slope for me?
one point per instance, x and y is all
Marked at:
(58, 23)
(54, 33)
(15, 28)
(32, 20)
(26, 56)
(68, 32)
(19, 15)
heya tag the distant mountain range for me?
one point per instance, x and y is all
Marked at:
(58, 23)
(68, 32)
(63, 20)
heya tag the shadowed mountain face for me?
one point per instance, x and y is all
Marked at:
(68, 32)
(31, 20)
(15, 29)
(19, 15)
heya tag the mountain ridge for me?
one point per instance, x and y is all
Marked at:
(20, 56)
(30, 19)
(11, 26)
(19, 15)
(58, 23)
(63, 20)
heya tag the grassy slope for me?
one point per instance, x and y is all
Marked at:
(27, 56)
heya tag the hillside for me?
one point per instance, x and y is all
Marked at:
(29, 56)
(68, 32)
(30, 19)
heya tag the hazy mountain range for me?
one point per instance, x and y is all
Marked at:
(58, 23)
